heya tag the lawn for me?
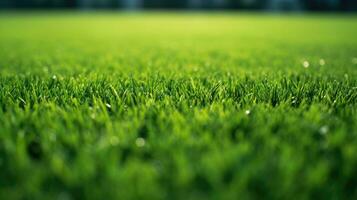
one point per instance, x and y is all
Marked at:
(178, 106)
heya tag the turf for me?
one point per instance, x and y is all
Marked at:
(178, 106)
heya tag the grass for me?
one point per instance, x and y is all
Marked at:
(177, 106)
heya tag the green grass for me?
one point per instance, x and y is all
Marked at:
(178, 106)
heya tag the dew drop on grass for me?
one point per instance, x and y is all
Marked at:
(324, 130)
(293, 100)
(140, 142)
(306, 64)
(247, 112)
(54, 77)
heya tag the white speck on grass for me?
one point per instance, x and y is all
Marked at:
(140, 142)
(322, 62)
(108, 105)
(306, 64)
(324, 130)
(247, 112)
(54, 77)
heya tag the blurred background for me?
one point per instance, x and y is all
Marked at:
(263, 5)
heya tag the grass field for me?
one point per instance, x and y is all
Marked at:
(178, 106)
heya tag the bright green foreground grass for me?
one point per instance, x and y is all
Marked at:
(177, 106)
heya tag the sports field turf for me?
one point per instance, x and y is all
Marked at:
(178, 106)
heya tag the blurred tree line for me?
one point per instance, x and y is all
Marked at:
(316, 5)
